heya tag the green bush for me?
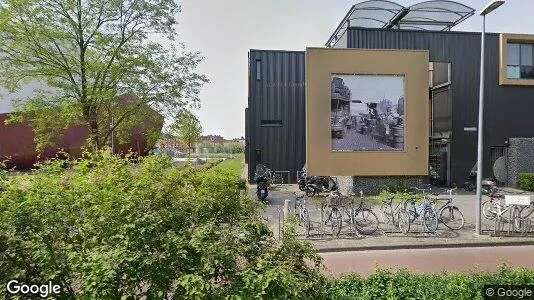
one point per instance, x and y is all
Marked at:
(404, 285)
(103, 227)
(526, 181)
(398, 196)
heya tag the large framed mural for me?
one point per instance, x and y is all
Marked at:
(367, 112)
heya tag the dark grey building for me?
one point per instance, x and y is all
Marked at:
(276, 111)
(275, 117)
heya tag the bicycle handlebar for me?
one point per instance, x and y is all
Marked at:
(449, 191)
(299, 195)
(421, 189)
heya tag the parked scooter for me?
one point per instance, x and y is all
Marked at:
(487, 184)
(262, 182)
(321, 184)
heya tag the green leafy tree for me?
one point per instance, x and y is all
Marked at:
(187, 129)
(103, 227)
(83, 54)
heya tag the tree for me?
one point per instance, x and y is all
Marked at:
(84, 54)
(187, 129)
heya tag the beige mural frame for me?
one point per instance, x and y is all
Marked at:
(321, 64)
(506, 38)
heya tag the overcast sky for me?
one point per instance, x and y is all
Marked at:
(224, 31)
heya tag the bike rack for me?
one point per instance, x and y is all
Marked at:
(280, 222)
(284, 178)
(500, 227)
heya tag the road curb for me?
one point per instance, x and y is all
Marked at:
(427, 246)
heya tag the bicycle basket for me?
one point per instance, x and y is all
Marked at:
(337, 201)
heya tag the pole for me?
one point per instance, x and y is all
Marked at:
(478, 224)
(287, 202)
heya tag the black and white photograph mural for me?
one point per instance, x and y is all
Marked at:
(367, 112)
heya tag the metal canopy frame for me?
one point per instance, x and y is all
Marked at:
(437, 15)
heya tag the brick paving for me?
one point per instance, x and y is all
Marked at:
(354, 141)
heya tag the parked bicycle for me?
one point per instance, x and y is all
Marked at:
(495, 207)
(331, 209)
(425, 212)
(450, 215)
(389, 212)
(302, 214)
(360, 219)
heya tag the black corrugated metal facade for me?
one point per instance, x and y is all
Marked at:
(275, 117)
(246, 136)
(280, 95)
(507, 111)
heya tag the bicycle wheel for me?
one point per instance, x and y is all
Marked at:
(307, 224)
(386, 214)
(430, 220)
(404, 220)
(519, 221)
(488, 210)
(365, 221)
(300, 215)
(336, 220)
(527, 211)
(452, 217)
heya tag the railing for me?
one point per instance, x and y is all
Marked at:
(285, 176)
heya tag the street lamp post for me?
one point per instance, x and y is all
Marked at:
(488, 9)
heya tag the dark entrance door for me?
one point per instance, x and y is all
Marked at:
(258, 156)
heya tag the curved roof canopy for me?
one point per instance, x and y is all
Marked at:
(436, 15)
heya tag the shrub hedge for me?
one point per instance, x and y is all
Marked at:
(104, 227)
(404, 285)
(526, 181)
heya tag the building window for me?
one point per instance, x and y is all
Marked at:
(271, 123)
(516, 60)
(520, 62)
(258, 69)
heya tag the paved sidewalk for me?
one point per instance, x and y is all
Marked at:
(428, 261)
(387, 237)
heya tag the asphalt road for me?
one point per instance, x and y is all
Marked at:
(429, 260)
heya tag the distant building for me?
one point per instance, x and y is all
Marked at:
(18, 148)
(217, 139)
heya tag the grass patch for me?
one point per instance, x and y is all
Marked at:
(234, 166)
(367, 201)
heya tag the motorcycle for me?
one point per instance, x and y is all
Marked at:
(321, 184)
(487, 184)
(262, 182)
